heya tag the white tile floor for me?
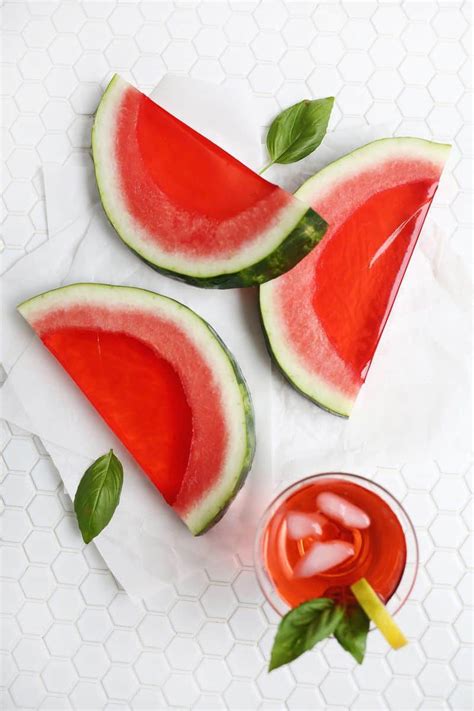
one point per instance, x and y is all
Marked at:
(70, 637)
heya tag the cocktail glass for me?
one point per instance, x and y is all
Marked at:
(386, 552)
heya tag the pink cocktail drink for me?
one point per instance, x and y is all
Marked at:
(325, 534)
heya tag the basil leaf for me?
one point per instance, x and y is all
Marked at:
(98, 495)
(351, 632)
(302, 628)
(298, 130)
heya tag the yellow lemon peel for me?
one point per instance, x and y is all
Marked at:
(378, 613)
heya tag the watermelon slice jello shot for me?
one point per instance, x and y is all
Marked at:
(334, 551)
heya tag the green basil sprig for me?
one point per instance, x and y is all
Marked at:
(351, 632)
(309, 623)
(298, 130)
(98, 495)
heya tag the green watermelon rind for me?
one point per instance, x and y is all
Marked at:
(299, 231)
(301, 241)
(319, 391)
(209, 510)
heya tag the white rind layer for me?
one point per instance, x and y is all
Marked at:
(368, 158)
(129, 298)
(419, 157)
(141, 240)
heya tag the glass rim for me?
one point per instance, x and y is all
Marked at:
(263, 577)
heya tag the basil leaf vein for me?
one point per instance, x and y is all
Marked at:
(98, 495)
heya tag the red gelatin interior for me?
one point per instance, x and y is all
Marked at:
(139, 395)
(191, 170)
(360, 269)
(379, 550)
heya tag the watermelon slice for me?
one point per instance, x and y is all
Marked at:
(164, 383)
(187, 207)
(324, 318)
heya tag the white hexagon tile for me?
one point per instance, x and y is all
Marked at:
(70, 637)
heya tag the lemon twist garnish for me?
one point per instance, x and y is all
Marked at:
(378, 613)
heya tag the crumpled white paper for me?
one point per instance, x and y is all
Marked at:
(413, 406)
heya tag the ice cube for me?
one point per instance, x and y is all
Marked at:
(302, 525)
(339, 509)
(322, 556)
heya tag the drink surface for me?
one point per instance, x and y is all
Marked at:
(329, 534)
